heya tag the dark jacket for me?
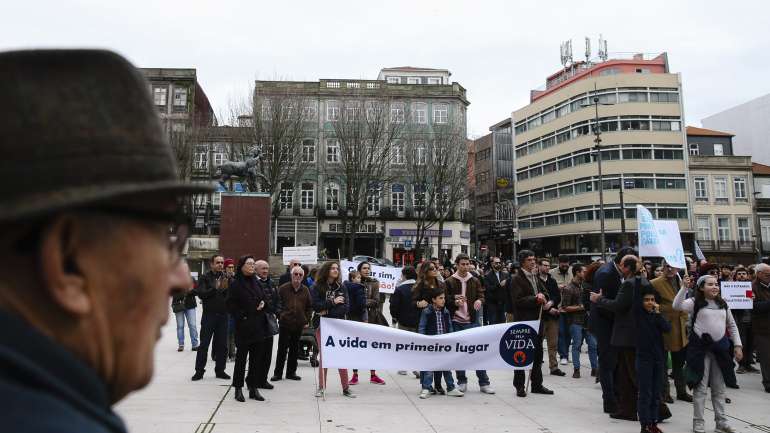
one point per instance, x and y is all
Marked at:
(45, 388)
(212, 289)
(760, 315)
(650, 327)
(624, 324)
(402, 309)
(296, 307)
(521, 298)
(322, 303)
(554, 295)
(357, 293)
(607, 279)
(473, 291)
(493, 293)
(284, 278)
(429, 322)
(697, 347)
(183, 301)
(250, 325)
(374, 301)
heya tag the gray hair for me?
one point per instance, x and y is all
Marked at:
(762, 267)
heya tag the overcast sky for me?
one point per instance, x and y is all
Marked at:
(498, 50)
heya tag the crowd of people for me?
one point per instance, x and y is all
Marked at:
(641, 323)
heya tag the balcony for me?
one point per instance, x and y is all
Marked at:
(727, 246)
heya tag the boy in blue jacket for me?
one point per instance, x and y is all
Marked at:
(436, 320)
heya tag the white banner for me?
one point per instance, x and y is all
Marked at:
(737, 294)
(305, 255)
(348, 344)
(387, 275)
(659, 238)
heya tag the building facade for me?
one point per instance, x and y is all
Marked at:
(749, 123)
(181, 102)
(722, 189)
(761, 175)
(644, 159)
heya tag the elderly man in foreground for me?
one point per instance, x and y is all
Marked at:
(90, 238)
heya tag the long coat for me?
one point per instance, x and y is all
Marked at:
(374, 301)
(676, 339)
(250, 324)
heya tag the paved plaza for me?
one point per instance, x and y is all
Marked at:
(174, 404)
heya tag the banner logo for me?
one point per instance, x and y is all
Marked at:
(517, 346)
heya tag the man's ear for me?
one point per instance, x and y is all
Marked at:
(59, 265)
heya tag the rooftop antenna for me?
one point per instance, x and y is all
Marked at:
(566, 53)
(588, 49)
(602, 48)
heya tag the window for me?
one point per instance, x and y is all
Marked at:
(719, 149)
(568, 218)
(551, 194)
(723, 228)
(309, 112)
(180, 99)
(637, 154)
(332, 111)
(397, 202)
(739, 188)
(694, 150)
(307, 198)
(585, 215)
(664, 97)
(393, 80)
(672, 213)
(397, 154)
(420, 113)
(219, 159)
(308, 150)
(632, 97)
(703, 224)
(200, 160)
(160, 95)
(413, 80)
(373, 201)
(352, 111)
(744, 230)
(566, 191)
(332, 197)
(720, 189)
(701, 189)
(420, 154)
(434, 80)
(286, 195)
(669, 183)
(440, 113)
(668, 154)
(419, 198)
(332, 151)
(178, 127)
(397, 113)
(635, 125)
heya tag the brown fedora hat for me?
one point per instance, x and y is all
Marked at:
(78, 128)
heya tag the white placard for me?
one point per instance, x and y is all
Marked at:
(737, 294)
(387, 275)
(659, 238)
(305, 255)
(349, 344)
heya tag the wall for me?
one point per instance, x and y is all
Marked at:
(749, 124)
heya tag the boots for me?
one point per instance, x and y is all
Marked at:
(239, 395)
(255, 395)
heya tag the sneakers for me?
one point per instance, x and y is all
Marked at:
(180, 349)
(724, 428)
(425, 393)
(698, 426)
(319, 392)
(486, 389)
(564, 361)
(348, 393)
(454, 392)
(354, 379)
(376, 380)
(576, 374)
(462, 387)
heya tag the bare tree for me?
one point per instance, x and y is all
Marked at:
(364, 133)
(184, 144)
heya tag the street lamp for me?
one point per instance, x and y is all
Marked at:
(598, 140)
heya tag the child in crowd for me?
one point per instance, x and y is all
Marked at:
(650, 356)
(709, 358)
(357, 293)
(435, 320)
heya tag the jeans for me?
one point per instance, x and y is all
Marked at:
(578, 334)
(712, 377)
(213, 327)
(288, 341)
(649, 374)
(564, 338)
(493, 314)
(426, 379)
(188, 315)
(480, 374)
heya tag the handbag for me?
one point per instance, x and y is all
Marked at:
(272, 324)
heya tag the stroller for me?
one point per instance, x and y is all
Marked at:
(308, 346)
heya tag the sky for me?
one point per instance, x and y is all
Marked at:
(497, 50)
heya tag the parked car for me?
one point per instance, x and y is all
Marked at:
(373, 260)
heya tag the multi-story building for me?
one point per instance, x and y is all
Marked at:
(644, 159)
(761, 175)
(749, 123)
(180, 99)
(722, 188)
(311, 206)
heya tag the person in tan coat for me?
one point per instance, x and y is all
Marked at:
(675, 341)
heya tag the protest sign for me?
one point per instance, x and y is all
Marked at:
(506, 346)
(305, 255)
(737, 294)
(659, 238)
(387, 275)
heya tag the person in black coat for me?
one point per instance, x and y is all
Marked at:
(247, 305)
(272, 310)
(212, 289)
(402, 309)
(494, 293)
